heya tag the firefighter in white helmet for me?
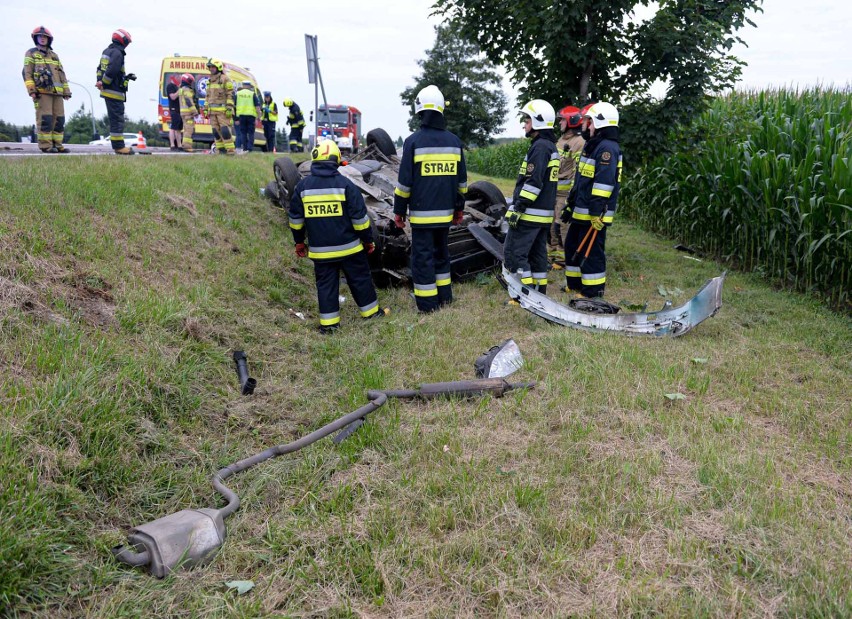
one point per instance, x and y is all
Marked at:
(430, 194)
(531, 214)
(592, 202)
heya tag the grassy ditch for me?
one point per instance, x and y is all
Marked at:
(594, 494)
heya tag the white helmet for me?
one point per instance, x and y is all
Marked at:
(430, 98)
(603, 115)
(541, 113)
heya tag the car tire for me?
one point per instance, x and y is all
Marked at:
(383, 142)
(287, 177)
(483, 195)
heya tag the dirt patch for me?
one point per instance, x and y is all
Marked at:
(180, 202)
(14, 295)
(229, 187)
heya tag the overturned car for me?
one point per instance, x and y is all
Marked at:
(374, 171)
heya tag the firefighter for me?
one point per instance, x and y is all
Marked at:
(296, 120)
(112, 82)
(592, 202)
(188, 109)
(430, 193)
(47, 85)
(531, 214)
(328, 212)
(569, 145)
(220, 106)
(269, 117)
(248, 109)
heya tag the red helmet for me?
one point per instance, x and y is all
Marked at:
(572, 115)
(187, 79)
(41, 30)
(122, 37)
(585, 109)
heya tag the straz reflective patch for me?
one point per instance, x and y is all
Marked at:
(324, 209)
(554, 173)
(443, 167)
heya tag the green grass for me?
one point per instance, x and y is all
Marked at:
(591, 495)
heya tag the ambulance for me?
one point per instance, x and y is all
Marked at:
(175, 66)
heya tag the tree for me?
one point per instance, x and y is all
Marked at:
(573, 52)
(468, 81)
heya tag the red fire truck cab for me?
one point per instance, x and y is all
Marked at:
(345, 123)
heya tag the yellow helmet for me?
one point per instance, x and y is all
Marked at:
(215, 62)
(288, 102)
(326, 150)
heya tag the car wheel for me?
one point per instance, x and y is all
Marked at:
(383, 142)
(481, 195)
(287, 177)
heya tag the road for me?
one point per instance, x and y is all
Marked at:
(16, 149)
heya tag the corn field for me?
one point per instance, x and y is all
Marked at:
(502, 161)
(766, 184)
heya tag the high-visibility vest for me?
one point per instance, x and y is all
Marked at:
(245, 102)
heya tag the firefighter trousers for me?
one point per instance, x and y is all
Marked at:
(585, 275)
(115, 111)
(223, 133)
(50, 120)
(430, 267)
(557, 229)
(296, 139)
(188, 128)
(525, 250)
(358, 278)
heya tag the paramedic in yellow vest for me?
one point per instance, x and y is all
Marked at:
(248, 109)
(220, 106)
(269, 116)
(569, 146)
(47, 85)
(188, 109)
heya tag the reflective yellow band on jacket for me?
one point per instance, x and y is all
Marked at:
(335, 251)
(528, 195)
(425, 290)
(112, 94)
(430, 217)
(437, 153)
(586, 166)
(602, 190)
(564, 184)
(402, 191)
(463, 188)
(537, 215)
(361, 224)
(297, 224)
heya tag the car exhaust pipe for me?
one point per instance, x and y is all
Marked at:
(247, 384)
(192, 536)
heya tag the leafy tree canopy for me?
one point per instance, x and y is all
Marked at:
(468, 81)
(574, 51)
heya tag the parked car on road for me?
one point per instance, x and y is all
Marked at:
(130, 139)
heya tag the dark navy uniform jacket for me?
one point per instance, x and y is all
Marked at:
(328, 209)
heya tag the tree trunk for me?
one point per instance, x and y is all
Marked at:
(586, 78)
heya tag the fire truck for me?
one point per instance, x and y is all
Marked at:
(345, 123)
(175, 66)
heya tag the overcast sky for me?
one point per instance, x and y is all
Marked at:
(368, 48)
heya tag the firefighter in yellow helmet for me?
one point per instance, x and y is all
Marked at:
(47, 85)
(220, 106)
(296, 120)
(328, 212)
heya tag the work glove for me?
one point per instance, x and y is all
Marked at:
(399, 220)
(370, 247)
(229, 113)
(301, 250)
(66, 97)
(565, 216)
(512, 218)
(597, 223)
(99, 85)
(131, 77)
(458, 217)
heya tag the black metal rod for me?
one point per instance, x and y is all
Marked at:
(247, 384)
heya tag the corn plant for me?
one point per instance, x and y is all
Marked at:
(502, 160)
(764, 182)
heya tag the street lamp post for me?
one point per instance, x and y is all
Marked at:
(95, 135)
